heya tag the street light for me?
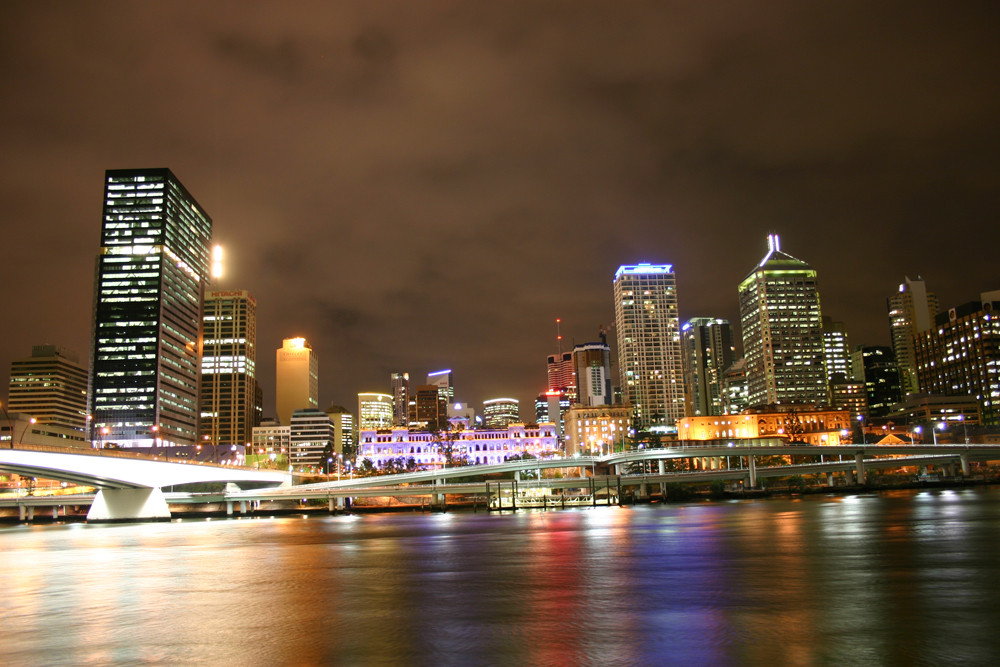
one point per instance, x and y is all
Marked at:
(935, 430)
(861, 422)
(965, 427)
(918, 430)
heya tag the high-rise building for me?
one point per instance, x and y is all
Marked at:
(312, 435)
(960, 355)
(400, 398)
(231, 398)
(911, 311)
(51, 387)
(592, 364)
(836, 351)
(428, 409)
(707, 345)
(296, 378)
(875, 366)
(501, 412)
(271, 442)
(562, 374)
(151, 275)
(374, 411)
(782, 331)
(649, 344)
(443, 381)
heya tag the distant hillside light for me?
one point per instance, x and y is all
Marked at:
(217, 261)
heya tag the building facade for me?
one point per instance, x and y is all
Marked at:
(598, 430)
(151, 275)
(343, 431)
(231, 398)
(51, 387)
(499, 413)
(912, 310)
(649, 344)
(296, 378)
(836, 351)
(312, 436)
(428, 409)
(469, 446)
(813, 427)
(782, 332)
(375, 411)
(707, 345)
(960, 355)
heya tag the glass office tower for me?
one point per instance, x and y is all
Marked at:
(150, 284)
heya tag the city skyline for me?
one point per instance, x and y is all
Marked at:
(412, 189)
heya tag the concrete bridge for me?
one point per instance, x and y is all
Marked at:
(130, 485)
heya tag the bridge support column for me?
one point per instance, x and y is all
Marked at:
(859, 464)
(128, 505)
(22, 512)
(965, 464)
(243, 507)
(643, 491)
(55, 511)
(662, 468)
(829, 479)
(849, 476)
(229, 508)
(31, 514)
(752, 467)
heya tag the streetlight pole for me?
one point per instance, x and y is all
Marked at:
(861, 422)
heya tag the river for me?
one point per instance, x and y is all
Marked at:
(910, 577)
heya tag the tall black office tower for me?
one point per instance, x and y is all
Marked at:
(149, 296)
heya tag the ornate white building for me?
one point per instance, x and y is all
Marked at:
(476, 447)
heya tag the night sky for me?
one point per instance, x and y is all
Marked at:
(423, 185)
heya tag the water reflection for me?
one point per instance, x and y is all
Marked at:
(895, 578)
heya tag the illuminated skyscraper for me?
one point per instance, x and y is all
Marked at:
(911, 311)
(297, 378)
(374, 411)
(707, 344)
(649, 344)
(151, 275)
(400, 398)
(782, 331)
(231, 399)
(51, 387)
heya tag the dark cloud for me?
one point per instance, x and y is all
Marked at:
(415, 186)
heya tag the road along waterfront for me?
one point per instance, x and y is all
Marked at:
(907, 577)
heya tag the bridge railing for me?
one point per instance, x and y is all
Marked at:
(120, 453)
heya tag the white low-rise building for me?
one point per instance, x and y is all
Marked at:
(474, 447)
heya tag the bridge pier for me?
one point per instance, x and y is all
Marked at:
(129, 505)
(662, 468)
(829, 479)
(859, 463)
(964, 458)
(55, 511)
(229, 508)
(752, 467)
(849, 477)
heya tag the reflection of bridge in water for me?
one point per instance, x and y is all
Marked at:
(131, 487)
